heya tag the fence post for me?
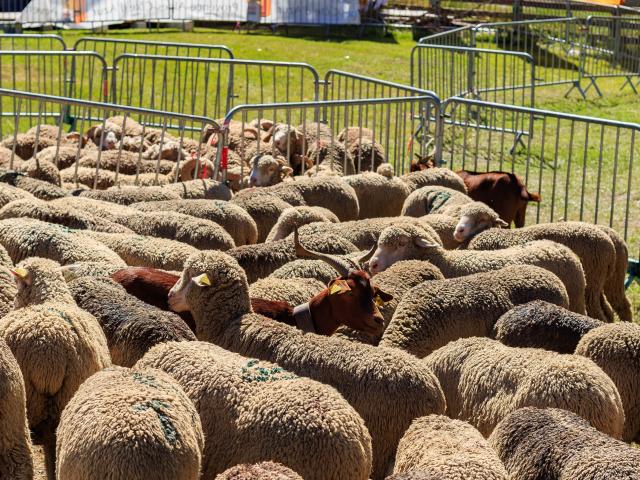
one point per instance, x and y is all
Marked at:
(436, 7)
(517, 10)
(616, 35)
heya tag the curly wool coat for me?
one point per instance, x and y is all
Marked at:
(436, 312)
(386, 387)
(539, 443)
(130, 424)
(252, 410)
(259, 471)
(484, 381)
(438, 445)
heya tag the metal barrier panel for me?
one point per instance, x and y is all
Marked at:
(208, 87)
(15, 41)
(111, 48)
(491, 75)
(394, 127)
(583, 167)
(168, 127)
(457, 37)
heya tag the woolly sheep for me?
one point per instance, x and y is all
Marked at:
(386, 387)
(42, 170)
(130, 424)
(583, 238)
(332, 157)
(367, 155)
(16, 462)
(294, 291)
(614, 286)
(315, 131)
(123, 161)
(62, 156)
(540, 324)
(9, 193)
(24, 237)
(378, 196)
(434, 176)
(7, 284)
(251, 410)
(263, 207)
(261, 260)
(38, 188)
(131, 326)
(616, 349)
(437, 312)
(207, 188)
(146, 251)
(88, 269)
(452, 448)
(444, 226)
(259, 471)
(302, 268)
(294, 217)
(407, 242)
(483, 381)
(52, 213)
(267, 170)
(351, 135)
(235, 220)
(9, 161)
(434, 199)
(25, 144)
(57, 345)
(537, 443)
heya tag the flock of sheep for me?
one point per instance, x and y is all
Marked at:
(334, 322)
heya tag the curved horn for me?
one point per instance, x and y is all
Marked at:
(368, 255)
(341, 266)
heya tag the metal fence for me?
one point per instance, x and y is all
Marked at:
(582, 167)
(172, 127)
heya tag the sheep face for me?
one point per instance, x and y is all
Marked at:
(267, 170)
(476, 217)
(35, 278)
(286, 138)
(399, 243)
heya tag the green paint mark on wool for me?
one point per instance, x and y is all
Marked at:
(252, 372)
(64, 229)
(64, 316)
(148, 380)
(438, 201)
(159, 407)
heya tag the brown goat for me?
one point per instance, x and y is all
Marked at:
(504, 192)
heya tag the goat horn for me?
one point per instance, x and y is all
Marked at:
(341, 266)
(368, 255)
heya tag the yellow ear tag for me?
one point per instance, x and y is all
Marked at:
(19, 272)
(339, 286)
(202, 280)
(378, 301)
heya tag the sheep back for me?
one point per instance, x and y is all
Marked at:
(259, 471)
(130, 424)
(378, 196)
(317, 269)
(434, 176)
(264, 209)
(294, 291)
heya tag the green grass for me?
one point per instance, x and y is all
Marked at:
(388, 58)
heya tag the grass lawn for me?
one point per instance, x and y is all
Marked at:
(388, 58)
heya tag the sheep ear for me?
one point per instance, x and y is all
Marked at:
(381, 297)
(19, 273)
(339, 287)
(501, 223)
(287, 171)
(73, 136)
(424, 243)
(202, 280)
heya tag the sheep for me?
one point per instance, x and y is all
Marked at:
(129, 194)
(7, 284)
(484, 381)
(251, 410)
(541, 324)
(25, 144)
(584, 239)
(614, 286)
(445, 227)
(267, 170)
(9, 193)
(62, 156)
(539, 443)
(125, 162)
(9, 161)
(88, 269)
(42, 170)
(294, 291)
(367, 155)
(351, 135)
(365, 233)
(315, 132)
(434, 176)
(24, 237)
(294, 217)
(378, 196)
(290, 142)
(130, 424)
(207, 188)
(615, 348)
(235, 220)
(386, 387)
(259, 471)
(407, 242)
(145, 251)
(302, 268)
(263, 207)
(131, 326)
(16, 456)
(452, 448)
(434, 313)
(38, 188)
(434, 199)
(261, 260)
(331, 157)
(52, 213)
(57, 345)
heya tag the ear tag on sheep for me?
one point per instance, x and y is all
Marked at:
(19, 272)
(379, 302)
(202, 280)
(339, 286)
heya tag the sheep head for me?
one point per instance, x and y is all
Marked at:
(400, 242)
(476, 217)
(39, 280)
(267, 170)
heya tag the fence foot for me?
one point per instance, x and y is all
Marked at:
(517, 141)
(576, 85)
(634, 272)
(628, 81)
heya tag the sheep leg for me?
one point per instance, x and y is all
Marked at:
(49, 447)
(614, 291)
(606, 309)
(594, 306)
